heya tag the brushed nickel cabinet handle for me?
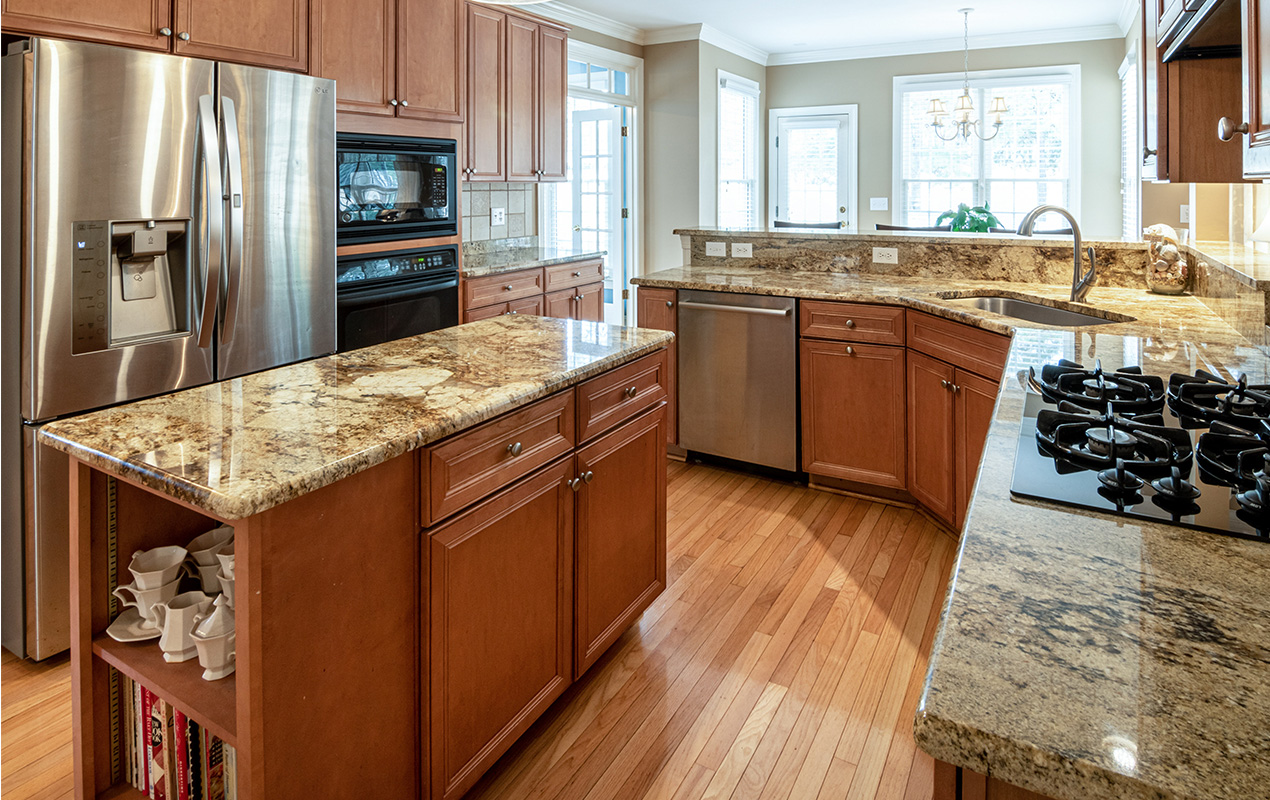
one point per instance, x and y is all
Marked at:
(183, 36)
(631, 392)
(588, 476)
(850, 350)
(670, 304)
(575, 484)
(850, 323)
(405, 103)
(392, 102)
(1228, 129)
(165, 31)
(577, 274)
(507, 288)
(946, 385)
(515, 449)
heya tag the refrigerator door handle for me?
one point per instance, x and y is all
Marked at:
(214, 207)
(234, 200)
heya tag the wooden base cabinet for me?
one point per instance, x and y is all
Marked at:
(932, 435)
(621, 532)
(659, 309)
(959, 783)
(581, 303)
(501, 597)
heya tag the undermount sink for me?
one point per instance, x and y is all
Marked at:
(1038, 313)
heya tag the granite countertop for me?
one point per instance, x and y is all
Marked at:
(478, 265)
(1082, 655)
(914, 237)
(238, 447)
(1244, 260)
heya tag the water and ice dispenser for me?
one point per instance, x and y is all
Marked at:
(132, 282)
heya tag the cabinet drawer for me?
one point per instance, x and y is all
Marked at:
(851, 322)
(475, 463)
(619, 395)
(974, 349)
(530, 305)
(493, 289)
(564, 276)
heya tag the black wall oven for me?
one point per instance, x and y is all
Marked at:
(387, 296)
(396, 187)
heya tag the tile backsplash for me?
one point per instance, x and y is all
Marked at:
(520, 201)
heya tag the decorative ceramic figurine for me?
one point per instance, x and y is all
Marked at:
(213, 636)
(153, 568)
(176, 617)
(1167, 271)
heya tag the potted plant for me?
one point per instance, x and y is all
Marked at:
(971, 220)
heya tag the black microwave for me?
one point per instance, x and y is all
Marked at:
(395, 187)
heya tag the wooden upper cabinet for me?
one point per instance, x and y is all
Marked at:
(366, 77)
(269, 33)
(522, 100)
(1256, 86)
(135, 23)
(486, 85)
(553, 93)
(431, 59)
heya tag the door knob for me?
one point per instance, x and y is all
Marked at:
(1228, 129)
(183, 36)
(165, 31)
(842, 209)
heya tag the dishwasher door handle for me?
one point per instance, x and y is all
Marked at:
(766, 312)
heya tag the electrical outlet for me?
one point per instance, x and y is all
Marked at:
(719, 249)
(1184, 214)
(498, 216)
(742, 250)
(879, 203)
(886, 255)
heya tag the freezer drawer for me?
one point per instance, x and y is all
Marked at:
(738, 377)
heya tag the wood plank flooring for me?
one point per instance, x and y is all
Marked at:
(783, 662)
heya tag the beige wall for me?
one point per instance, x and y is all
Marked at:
(672, 112)
(713, 59)
(868, 83)
(606, 41)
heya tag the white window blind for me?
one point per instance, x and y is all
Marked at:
(1032, 160)
(738, 152)
(1130, 181)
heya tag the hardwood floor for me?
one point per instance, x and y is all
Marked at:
(784, 660)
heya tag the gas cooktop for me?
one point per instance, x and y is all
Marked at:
(1194, 452)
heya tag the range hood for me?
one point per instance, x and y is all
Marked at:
(1204, 29)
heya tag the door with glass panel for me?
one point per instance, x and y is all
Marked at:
(597, 197)
(813, 168)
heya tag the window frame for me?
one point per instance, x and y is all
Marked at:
(745, 86)
(952, 83)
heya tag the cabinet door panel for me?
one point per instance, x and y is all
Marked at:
(931, 461)
(659, 309)
(267, 33)
(590, 303)
(522, 100)
(365, 75)
(134, 23)
(553, 54)
(561, 305)
(976, 398)
(431, 59)
(621, 532)
(848, 433)
(1256, 84)
(486, 65)
(501, 597)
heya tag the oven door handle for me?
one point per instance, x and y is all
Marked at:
(383, 294)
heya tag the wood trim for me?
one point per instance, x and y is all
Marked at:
(83, 691)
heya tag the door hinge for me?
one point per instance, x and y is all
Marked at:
(626, 294)
(626, 213)
(626, 131)
(778, 141)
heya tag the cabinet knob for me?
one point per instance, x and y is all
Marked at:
(955, 388)
(850, 323)
(392, 102)
(574, 484)
(850, 350)
(945, 384)
(405, 103)
(1228, 129)
(514, 449)
(578, 298)
(510, 313)
(183, 36)
(507, 288)
(631, 392)
(165, 31)
(670, 304)
(588, 476)
(577, 274)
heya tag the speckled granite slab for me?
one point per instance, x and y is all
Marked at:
(238, 447)
(477, 265)
(1080, 655)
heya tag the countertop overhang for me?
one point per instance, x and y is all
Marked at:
(1082, 655)
(238, 447)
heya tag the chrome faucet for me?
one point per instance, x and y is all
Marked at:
(1081, 284)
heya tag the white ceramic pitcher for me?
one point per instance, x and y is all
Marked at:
(176, 618)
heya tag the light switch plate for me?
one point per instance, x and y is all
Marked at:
(1184, 213)
(498, 216)
(717, 249)
(879, 203)
(742, 250)
(886, 255)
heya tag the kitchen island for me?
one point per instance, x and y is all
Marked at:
(1080, 654)
(417, 562)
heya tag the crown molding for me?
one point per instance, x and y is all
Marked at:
(569, 15)
(1019, 39)
(1128, 13)
(709, 35)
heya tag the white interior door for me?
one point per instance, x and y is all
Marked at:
(813, 166)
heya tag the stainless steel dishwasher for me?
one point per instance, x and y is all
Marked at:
(738, 377)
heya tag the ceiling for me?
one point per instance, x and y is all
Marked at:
(797, 27)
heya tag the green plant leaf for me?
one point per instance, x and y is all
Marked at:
(959, 221)
(944, 216)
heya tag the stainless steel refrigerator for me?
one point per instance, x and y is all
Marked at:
(167, 222)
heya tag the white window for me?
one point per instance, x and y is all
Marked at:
(1033, 159)
(1130, 163)
(738, 152)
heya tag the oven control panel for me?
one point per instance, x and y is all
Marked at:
(396, 265)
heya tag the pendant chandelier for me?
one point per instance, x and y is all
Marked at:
(964, 123)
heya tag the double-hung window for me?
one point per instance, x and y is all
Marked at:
(738, 152)
(1033, 158)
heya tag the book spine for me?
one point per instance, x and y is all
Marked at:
(215, 769)
(147, 710)
(158, 767)
(231, 773)
(181, 732)
(138, 747)
(194, 757)
(125, 705)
